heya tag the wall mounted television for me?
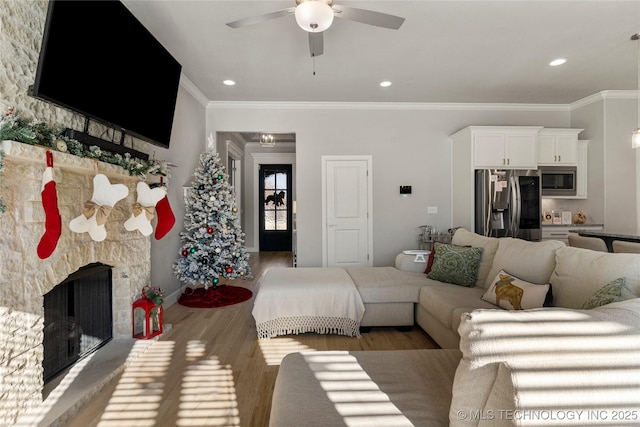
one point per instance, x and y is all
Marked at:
(98, 60)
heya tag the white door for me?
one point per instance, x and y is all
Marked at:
(347, 204)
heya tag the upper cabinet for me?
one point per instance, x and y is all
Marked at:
(557, 147)
(506, 147)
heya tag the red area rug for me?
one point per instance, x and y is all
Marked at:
(221, 296)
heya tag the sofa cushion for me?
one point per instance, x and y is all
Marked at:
(370, 388)
(512, 293)
(579, 273)
(388, 284)
(530, 261)
(559, 359)
(448, 302)
(489, 247)
(614, 291)
(454, 264)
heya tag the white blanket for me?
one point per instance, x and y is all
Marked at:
(299, 300)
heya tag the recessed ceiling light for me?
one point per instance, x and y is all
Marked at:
(557, 62)
(385, 83)
(229, 82)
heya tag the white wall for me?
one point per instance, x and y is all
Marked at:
(620, 166)
(188, 140)
(408, 142)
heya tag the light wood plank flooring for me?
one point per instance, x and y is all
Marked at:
(210, 370)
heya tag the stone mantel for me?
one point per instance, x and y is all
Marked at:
(25, 278)
(26, 153)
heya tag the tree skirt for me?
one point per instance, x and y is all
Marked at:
(208, 298)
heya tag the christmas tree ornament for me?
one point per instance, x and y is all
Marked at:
(166, 219)
(229, 270)
(144, 208)
(210, 230)
(216, 280)
(98, 209)
(53, 221)
(185, 252)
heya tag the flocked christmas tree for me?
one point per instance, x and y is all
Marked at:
(212, 240)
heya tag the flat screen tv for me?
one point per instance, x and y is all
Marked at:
(98, 60)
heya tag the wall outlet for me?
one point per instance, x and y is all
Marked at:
(432, 209)
(405, 189)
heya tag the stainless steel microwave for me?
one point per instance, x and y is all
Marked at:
(558, 181)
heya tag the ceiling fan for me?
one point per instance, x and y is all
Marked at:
(315, 16)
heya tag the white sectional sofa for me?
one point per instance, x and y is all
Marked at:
(559, 365)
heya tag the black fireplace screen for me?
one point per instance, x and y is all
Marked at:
(77, 318)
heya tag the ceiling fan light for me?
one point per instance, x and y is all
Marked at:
(635, 139)
(314, 16)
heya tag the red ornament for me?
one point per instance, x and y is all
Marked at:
(229, 270)
(209, 230)
(184, 252)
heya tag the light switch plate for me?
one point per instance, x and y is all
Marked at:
(432, 209)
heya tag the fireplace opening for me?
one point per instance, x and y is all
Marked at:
(78, 318)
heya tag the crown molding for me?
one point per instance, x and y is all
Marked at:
(418, 106)
(193, 90)
(406, 106)
(601, 96)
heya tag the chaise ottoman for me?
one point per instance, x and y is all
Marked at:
(389, 294)
(299, 300)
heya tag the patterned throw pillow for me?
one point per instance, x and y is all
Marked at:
(614, 291)
(512, 293)
(457, 265)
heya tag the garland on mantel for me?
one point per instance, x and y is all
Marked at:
(30, 131)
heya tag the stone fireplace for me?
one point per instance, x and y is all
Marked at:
(25, 278)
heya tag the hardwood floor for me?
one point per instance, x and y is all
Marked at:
(209, 369)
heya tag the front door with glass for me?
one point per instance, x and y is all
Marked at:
(275, 207)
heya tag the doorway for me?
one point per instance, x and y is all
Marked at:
(275, 207)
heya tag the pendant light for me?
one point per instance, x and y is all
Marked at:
(635, 138)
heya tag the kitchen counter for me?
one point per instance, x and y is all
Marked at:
(561, 231)
(577, 226)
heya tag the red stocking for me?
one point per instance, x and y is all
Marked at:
(166, 219)
(52, 222)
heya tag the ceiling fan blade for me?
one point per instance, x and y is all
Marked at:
(261, 18)
(316, 44)
(368, 17)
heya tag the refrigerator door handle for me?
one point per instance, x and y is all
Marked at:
(489, 201)
(516, 209)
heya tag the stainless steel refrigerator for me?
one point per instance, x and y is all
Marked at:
(507, 203)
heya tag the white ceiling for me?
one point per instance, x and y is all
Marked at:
(446, 51)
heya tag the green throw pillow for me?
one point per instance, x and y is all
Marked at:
(614, 291)
(457, 265)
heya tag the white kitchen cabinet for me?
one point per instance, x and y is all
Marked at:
(506, 147)
(558, 147)
(561, 232)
